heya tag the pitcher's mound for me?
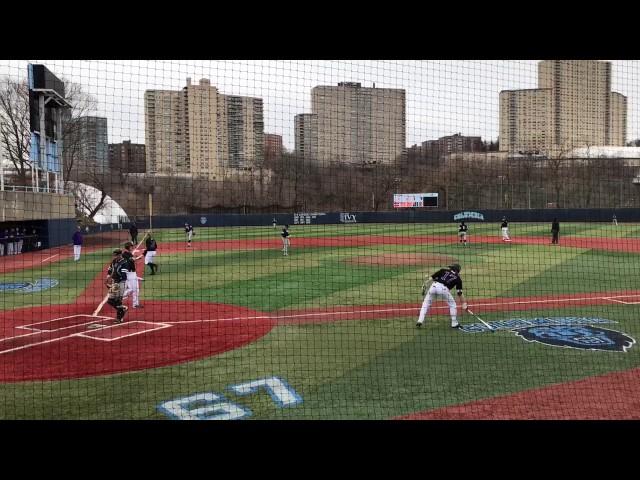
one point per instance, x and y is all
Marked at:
(393, 259)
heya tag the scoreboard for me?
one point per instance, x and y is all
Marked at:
(411, 200)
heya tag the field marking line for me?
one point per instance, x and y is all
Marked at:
(159, 326)
(56, 319)
(34, 344)
(384, 310)
(49, 258)
(613, 299)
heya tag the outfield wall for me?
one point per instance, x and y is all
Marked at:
(59, 231)
(403, 216)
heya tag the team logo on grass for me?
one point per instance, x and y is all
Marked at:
(28, 287)
(585, 337)
(523, 323)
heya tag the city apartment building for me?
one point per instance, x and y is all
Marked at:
(306, 136)
(200, 132)
(86, 147)
(127, 157)
(359, 125)
(573, 107)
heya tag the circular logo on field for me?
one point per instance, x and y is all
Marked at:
(203, 220)
(585, 337)
(28, 287)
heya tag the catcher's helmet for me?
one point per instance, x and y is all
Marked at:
(455, 267)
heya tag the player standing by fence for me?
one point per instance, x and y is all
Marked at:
(77, 243)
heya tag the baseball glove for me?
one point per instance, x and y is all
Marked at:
(424, 290)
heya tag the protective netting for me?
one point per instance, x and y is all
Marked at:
(319, 239)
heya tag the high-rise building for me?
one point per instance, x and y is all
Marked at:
(85, 145)
(618, 119)
(127, 157)
(573, 107)
(306, 136)
(526, 123)
(272, 146)
(165, 132)
(359, 125)
(198, 131)
(242, 131)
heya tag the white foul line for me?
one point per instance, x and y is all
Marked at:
(49, 258)
(398, 309)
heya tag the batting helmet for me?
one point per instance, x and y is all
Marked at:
(455, 267)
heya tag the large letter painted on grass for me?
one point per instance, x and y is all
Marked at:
(281, 393)
(213, 406)
(209, 406)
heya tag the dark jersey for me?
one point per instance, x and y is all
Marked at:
(448, 278)
(505, 224)
(188, 229)
(555, 227)
(118, 269)
(131, 263)
(151, 244)
(462, 228)
(285, 233)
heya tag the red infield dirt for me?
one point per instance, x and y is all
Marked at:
(64, 341)
(614, 396)
(608, 244)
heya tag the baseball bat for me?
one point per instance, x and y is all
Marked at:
(485, 323)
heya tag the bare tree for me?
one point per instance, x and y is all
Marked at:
(15, 133)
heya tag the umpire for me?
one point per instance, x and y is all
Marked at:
(133, 231)
(555, 231)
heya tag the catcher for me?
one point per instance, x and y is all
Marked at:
(116, 281)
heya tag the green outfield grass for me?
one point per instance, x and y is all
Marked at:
(364, 369)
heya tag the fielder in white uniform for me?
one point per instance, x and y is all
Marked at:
(188, 229)
(505, 230)
(441, 283)
(132, 286)
(285, 240)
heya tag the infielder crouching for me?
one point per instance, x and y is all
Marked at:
(442, 282)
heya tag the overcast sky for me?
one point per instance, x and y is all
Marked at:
(443, 97)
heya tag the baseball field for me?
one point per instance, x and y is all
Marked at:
(232, 329)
